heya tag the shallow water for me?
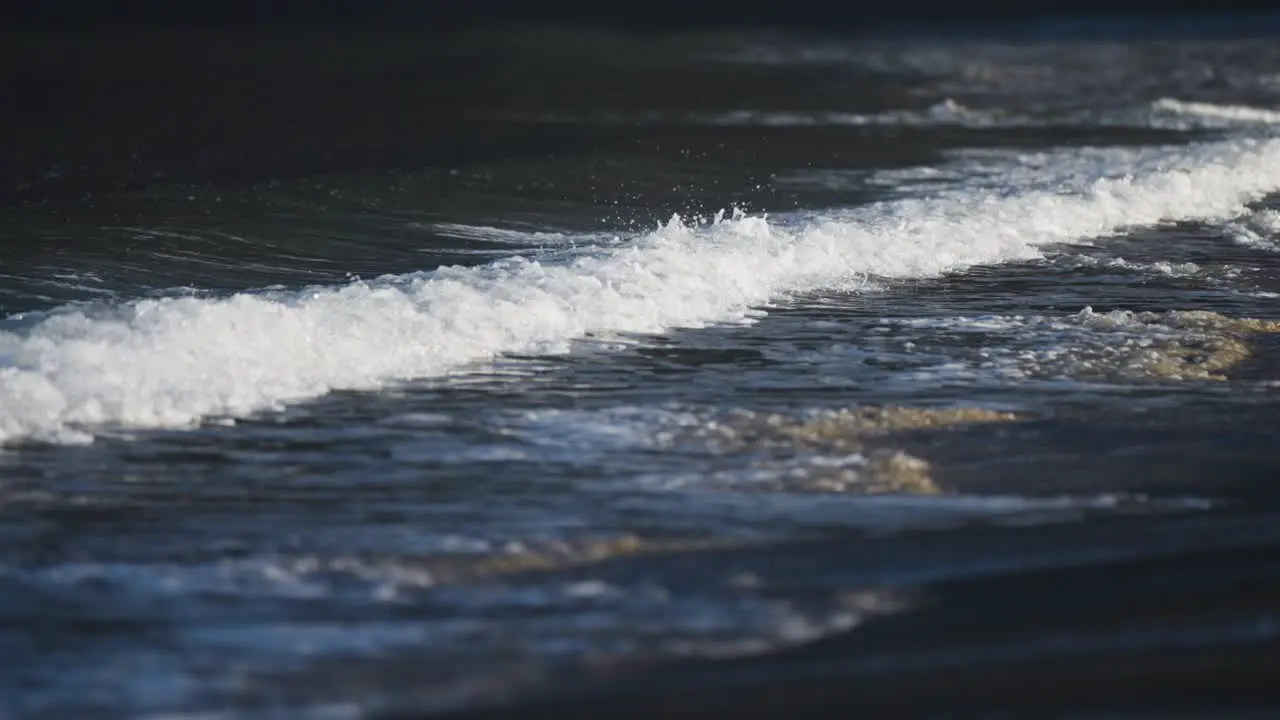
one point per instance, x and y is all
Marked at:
(645, 353)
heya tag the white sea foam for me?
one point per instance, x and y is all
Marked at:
(174, 361)
(945, 112)
(1215, 115)
(965, 172)
(510, 236)
(1259, 229)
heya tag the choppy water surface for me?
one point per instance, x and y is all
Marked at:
(694, 359)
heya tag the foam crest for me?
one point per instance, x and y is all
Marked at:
(1259, 229)
(1213, 114)
(172, 362)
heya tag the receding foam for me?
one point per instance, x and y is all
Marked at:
(169, 363)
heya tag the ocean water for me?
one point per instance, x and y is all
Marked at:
(559, 370)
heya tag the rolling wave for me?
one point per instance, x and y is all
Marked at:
(172, 362)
